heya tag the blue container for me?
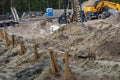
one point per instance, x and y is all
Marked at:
(49, 12)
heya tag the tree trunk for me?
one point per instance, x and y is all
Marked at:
(3, 7)
(59, 2)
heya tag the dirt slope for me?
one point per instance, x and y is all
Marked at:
(94, 39)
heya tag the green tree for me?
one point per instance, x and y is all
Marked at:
(33, 5)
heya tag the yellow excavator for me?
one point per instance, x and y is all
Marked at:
(101, 9)
(95, 9)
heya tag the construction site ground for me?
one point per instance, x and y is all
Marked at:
(94, 49)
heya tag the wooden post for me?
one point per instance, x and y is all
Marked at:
(7, 41)
(66, 73)
(22, 48)
(54, 68)
(14, 43)
(94, 56)
(1, 33)
(67, 68)
(36, 55)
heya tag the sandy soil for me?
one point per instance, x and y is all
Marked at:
(94, 48)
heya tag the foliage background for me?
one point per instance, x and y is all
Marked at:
(32, 5)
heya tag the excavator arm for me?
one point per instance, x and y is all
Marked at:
(112, 5)
(99, 5)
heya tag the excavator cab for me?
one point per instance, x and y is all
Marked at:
(90, 10)
(104, 13)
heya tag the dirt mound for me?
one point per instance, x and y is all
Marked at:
(103, 42)
(113, 19)
(56, 13)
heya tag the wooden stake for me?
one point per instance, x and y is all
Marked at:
(7, 40)
(22, 48)
(54, 67)
(14, 43)
(1, 33)
(67, 68)
(36, 55)
(66, 73)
